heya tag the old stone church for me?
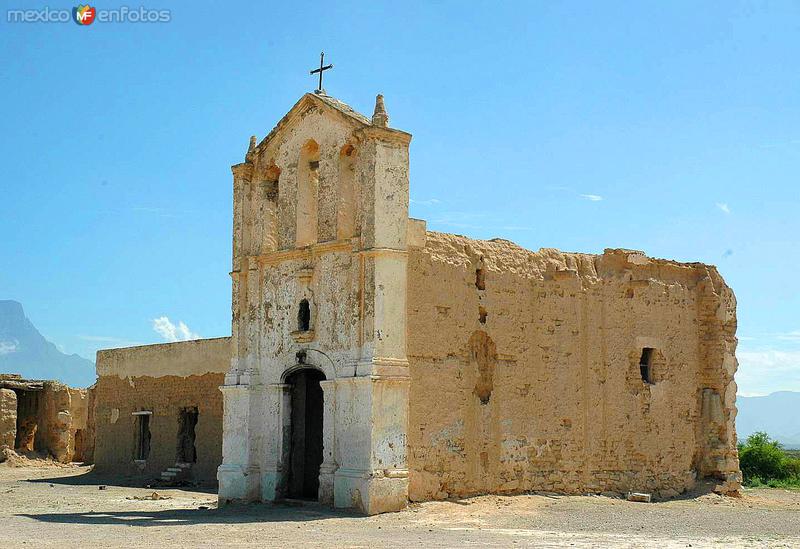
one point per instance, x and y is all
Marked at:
(373, 362)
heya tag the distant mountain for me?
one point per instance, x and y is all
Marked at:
(23, 350)
(778, 414)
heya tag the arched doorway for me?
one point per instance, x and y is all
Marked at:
(306, 438)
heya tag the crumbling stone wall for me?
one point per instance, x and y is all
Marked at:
(162, 379)
(8, 418)
(55, 433)
(525, 371)
(41, 416)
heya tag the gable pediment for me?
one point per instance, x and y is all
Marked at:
(310, 103)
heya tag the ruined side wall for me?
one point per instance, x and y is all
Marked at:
(56, 434)
(533, 383)
(161, 379)
(8, 418)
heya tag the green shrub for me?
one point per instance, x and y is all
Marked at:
(764, 462)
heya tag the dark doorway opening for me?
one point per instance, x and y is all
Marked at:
(306, 438)
(142, 436)
(187, 420)
(27, 420)
(80, 446)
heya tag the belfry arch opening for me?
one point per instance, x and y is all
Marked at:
(305, 454)
(307, 188)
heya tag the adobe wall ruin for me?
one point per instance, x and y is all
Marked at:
(525, 371)
(46, 418)
(8, 418)
(161, 381)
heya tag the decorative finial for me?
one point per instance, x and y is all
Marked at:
(251, 149)
(380, 117)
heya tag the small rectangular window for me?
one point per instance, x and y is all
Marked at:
(646, 365)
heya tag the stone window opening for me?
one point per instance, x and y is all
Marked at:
(482, 315)
(187, 421)
(304, 316)
(142, 435)
(646, 365)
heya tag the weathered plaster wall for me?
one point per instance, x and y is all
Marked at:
(161, 379)
(182, 359)
(533, 383)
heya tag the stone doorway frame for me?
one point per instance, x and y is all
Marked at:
(282, 392)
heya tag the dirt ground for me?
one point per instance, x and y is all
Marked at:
(58, 506)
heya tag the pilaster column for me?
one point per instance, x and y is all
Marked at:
(373, 474)
(277, 432)
(328, 467)
(238, 475)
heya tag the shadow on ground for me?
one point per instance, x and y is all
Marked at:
(92, 478)
(231, 514)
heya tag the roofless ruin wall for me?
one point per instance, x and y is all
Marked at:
(527, 371)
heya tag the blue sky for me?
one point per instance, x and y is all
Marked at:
(674, 129)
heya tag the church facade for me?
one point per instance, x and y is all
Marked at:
(447, 366)
(374, 362)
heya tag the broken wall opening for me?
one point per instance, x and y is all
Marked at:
(483, 357)
(27, 420)
(81, 446)
(187, 421)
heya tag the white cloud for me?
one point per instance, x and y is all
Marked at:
(790, 336)
(724, 207)
(172, 333)
(767, 371)
(8, 347)
(429, 202)
(110, 341)
(592, 197)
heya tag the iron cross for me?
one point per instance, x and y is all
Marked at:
(320, 71)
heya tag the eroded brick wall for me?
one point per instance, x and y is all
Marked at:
(115, 400)
(525, 371)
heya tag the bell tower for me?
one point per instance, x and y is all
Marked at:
(319, 287)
